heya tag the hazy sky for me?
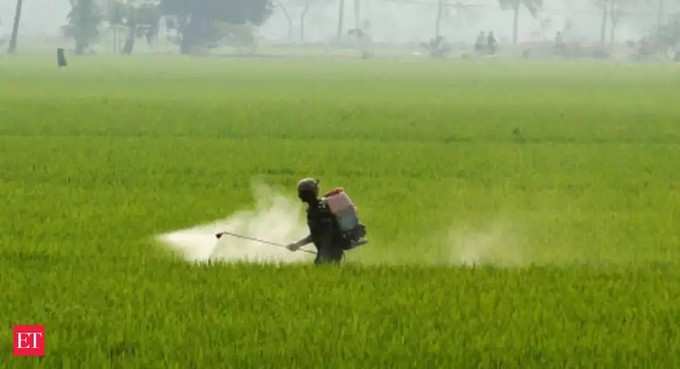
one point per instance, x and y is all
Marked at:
(389, 21)
(40, 16)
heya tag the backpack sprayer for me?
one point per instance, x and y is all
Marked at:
(269, 243)
(341, 207)
(345, 213)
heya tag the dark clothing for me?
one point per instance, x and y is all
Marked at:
(325, 233)
(61, 58)
(491, 44)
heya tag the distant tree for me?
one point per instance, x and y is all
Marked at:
(532, 5)
(199, 21)
(660, 13)
(304, 6)
(617, 11)
(117, 13)
(668, 34)
(289, 20)
(661, 5)
(442, 6)
(303, 15)
(438, 21)
(604, 5)
(662, 40)
(341, 18)
(357, 14)
(83, 22)
(15, 29)
(142, 21)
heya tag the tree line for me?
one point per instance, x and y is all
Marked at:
(202, 23)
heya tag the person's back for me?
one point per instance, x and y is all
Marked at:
(324, 230)
(325, 233)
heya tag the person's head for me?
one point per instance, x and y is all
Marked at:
(308, 190)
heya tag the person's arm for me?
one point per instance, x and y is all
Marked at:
(296, 245)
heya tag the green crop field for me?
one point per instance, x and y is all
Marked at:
(520, 215)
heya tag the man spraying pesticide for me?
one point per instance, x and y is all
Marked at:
(333, 224)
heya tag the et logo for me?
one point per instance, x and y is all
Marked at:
(29, 340)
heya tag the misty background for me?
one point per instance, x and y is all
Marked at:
(391, 21)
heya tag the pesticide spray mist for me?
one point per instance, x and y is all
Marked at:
(274, 218)
(496, 244)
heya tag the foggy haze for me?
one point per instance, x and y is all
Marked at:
(390, 21)
(40, 17)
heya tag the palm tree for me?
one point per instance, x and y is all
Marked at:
(341, 16)
(615, 14)
(660, 14)
(617, 10)
(288, 19)
(532, 5)
(15, 29)
(438, 21)
(357, 14)
(303, 14)
(605, 7)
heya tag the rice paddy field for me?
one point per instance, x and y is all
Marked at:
(520, 215)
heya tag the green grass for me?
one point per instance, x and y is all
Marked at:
(567, 172)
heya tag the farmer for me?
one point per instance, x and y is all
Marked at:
(559, 43)
(323, 227)
(492, 44)
(479, 43)
(61, 58)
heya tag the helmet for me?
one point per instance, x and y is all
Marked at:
(308, 185)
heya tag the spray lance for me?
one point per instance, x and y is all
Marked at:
(268, 243)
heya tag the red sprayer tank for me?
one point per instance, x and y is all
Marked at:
(342, 207)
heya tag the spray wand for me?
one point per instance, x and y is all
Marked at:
(269, 243)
